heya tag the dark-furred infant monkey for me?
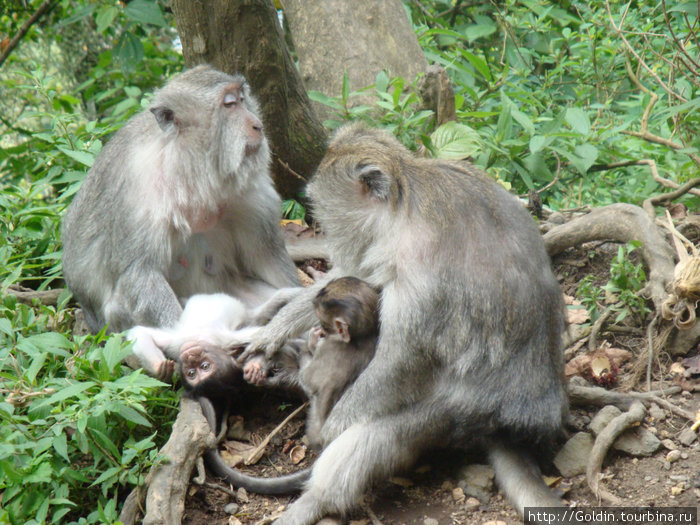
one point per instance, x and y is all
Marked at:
(342, 347)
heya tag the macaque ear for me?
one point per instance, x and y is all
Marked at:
(164, 116)
(375, 182)
(342, 329)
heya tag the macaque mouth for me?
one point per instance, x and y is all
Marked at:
(252, 147)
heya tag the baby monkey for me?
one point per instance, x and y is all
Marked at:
(342, 346)
(338, 350)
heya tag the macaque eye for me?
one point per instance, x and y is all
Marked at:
(232, 98)
(205, 365)
(191, 373)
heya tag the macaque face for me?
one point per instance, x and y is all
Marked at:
(198, 365)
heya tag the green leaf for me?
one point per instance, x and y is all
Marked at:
(522, 119)
(111, 472)
(6, 327)
(41, 474)
(479, 64)
(60, 445)
(537, 142)
(134, 416)
(145, 12)
(381, 82)
(37, 364)
(66, 393)
(455, 141)
(84, 157)
(345, 89)
(578, 120)
(105, 17)
(689, 8)
(129, 50)
(114, 352)
(476, 31)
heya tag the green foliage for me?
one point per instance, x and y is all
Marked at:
(393, 109)
(622, 289)
(77, 429)
(626, 280)
(293, 210)
(77, 426)
(590, 296)
(544, 93)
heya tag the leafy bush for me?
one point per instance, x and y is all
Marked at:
(622, 289)
(77, 426)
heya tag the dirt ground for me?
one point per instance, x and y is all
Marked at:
(429, 493)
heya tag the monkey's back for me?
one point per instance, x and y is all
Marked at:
(468, 296)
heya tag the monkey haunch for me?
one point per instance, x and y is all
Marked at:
(471, 319)
(178, 202)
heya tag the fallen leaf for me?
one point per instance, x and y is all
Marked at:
(230, 459)
(297, 454)
(577, 315)
(401, 482)
(570, 299)
(677, 369)
(238, 448)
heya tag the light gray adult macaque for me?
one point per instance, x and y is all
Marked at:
(471, 316)
(179, 202)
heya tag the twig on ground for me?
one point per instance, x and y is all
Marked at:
(370, 513)
(257, 453)
(27, 295)
(597, 327)
(650, 348)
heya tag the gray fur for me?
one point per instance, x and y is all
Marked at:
(130, 226)
(471, 316)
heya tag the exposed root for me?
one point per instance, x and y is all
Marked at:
(622, 223)
(597, 396)
(27, 295)
(603, 443)
(166, 484)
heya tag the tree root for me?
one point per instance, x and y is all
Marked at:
(622, 223)
(603, 443)
(597, 396)
(166, 483)
(27, 295)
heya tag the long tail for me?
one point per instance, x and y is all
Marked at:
(288, 484)
(520, 478)
(291, 483)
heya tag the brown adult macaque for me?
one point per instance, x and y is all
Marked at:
(179, 202)
(342, 346)
(471, 319)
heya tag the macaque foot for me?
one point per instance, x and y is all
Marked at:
(165, 370)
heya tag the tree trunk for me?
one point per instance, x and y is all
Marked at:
(245, 36)
(361, 37)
